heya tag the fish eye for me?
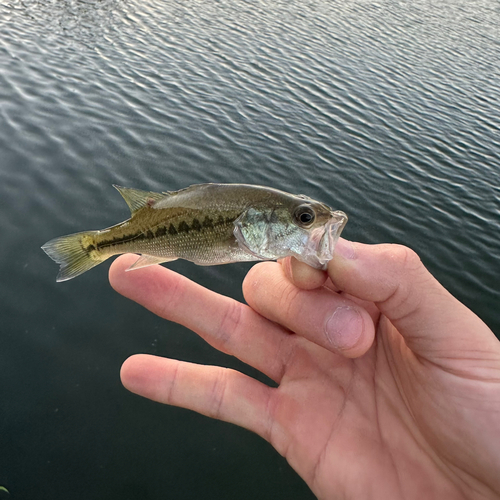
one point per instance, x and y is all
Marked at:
(304, 215)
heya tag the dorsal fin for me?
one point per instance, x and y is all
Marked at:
(137, 199)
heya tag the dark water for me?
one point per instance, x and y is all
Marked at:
(387, 110)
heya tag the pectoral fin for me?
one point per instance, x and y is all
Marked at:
(149, 260)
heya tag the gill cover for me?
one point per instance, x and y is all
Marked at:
(253, 231)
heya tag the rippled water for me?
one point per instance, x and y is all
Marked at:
(387, 110)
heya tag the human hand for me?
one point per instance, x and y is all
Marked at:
(388, 386)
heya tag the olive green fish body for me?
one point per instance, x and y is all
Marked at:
(207, 224)
(201, 237)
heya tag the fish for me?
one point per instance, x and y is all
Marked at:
(208, 224)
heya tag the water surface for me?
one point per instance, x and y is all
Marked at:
(387, 110)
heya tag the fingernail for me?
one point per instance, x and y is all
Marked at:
(345, 249)
(344, 327)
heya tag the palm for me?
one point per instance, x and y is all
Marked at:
(324, 404)
(359, 427)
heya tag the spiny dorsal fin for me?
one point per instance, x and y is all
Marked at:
(137, 199)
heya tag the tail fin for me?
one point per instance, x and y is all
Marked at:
(76, 253)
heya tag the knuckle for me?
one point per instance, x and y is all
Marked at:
(229, 323)
(218, 393)
(403, 258)
(170, 397)
(285, 356)
(169, 298)
(289, 303)
(400, 299)
(408, 271)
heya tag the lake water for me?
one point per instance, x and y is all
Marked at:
(387, 110)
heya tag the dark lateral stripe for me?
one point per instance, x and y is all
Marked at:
(161, 231)
(122, 239)
(208, 222)
(196, 225)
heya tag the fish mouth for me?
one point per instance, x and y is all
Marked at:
(322, 240)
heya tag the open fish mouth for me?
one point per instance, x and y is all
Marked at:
(322, 240)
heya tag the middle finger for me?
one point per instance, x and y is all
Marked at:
(320, 315)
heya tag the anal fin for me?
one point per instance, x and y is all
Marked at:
(149, 260)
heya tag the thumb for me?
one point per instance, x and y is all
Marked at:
(433, 323)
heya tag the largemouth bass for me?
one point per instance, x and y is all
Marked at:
(207, 224)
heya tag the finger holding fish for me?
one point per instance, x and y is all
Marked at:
(341, 324)
(302, 275)
(308, 278)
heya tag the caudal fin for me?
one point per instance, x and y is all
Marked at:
(76, 253)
